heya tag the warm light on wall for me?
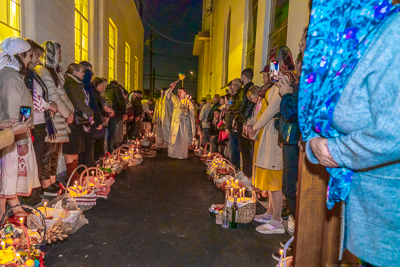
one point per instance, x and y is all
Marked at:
(136, 73)
(81, 30)
(112, 42)
(9, 18)
(127, 67)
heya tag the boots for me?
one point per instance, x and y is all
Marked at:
(70, 168)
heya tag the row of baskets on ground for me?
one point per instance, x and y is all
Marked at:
(24, 239)
(224, 176)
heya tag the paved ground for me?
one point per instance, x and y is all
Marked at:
(156, 215)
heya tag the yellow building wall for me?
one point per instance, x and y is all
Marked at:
(43, 20)
(298, 19)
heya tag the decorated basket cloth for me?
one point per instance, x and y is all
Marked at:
(206, 156)
(20, 243)
(81, 192)
(133, 153)
(95, 178)
(247, 208)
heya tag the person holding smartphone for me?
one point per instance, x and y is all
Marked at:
(18, 168)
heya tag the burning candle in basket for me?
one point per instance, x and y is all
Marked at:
(240, 195)
(231, 192)
(45, 210)
(3, 245)
(236, 183)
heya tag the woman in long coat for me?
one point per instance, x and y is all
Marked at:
(18, 168)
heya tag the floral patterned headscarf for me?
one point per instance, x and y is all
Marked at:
(338, 36)
(50, 57)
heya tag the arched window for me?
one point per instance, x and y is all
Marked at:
(227, 39)
(251, 32)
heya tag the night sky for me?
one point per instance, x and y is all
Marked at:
(180, 20)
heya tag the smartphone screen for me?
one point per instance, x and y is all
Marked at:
(24, 113)
(230, 102)
(274, 71)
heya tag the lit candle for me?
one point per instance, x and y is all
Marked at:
(92, 173)
(21, 220)
(231, 192)
(236, 183)
(95, 179)
(240, 195)
(45, 210)
(3, 245)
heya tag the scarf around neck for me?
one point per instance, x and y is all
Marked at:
(338, 36)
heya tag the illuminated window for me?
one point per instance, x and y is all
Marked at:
(225, 63)
(136, 73)
(81, 30)
(112, 43)
(127, 67)
(10, 11)
(251, 33)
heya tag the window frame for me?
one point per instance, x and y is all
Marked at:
(8, 24)
(113, 48)
(81, 50)
(127, 67)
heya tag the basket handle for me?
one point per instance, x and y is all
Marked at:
(205, 148)
(253, 196)
(230, 165)
(105, 156)
(72, 174)
(98, 171)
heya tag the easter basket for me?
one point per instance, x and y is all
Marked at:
(22, 243)
(111, 164)
(225, 168)
(205, 156)
(198, 152)
(246, 210)
(220, 179)
(82, 193)
(121, 156)
(98, 183)
(232, 185)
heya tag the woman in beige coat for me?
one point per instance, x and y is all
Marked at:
(268, 156)
(18, 168)
(52, 75)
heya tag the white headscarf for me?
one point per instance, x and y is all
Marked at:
(10, 47)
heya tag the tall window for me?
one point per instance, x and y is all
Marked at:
(136, 73)
(279, 22)
(127, 67)
(112, 43)
(10, 12)
(81, 30)
(225, 63)
(251, 33)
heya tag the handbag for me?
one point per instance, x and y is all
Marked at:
(81, 121)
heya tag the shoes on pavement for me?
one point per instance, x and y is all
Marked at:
(263, 218)
(51, 190)
(277, 255)
(291, 224)
(285, 214)
(269, 229)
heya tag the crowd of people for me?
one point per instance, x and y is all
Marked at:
(74, 114)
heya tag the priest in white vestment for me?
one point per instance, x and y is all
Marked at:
(178, 123)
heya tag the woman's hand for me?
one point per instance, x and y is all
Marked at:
(99, 127)
(22, 150)
(53, 107)
(284, 85)
(70, 118)
(20, 128)
(8, 123)
(319, 147)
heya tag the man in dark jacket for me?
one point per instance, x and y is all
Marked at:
(138, 113)
(115, 95)
(245, 111)
(214, 107)
(235, 89)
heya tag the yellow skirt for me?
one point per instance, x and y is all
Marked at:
(265, 179)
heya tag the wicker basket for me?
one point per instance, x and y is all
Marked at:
(247, 212)
(205, 157)
(227, 188)
(219, 181)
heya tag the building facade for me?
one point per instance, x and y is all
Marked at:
(109, 34)
(237, 34)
